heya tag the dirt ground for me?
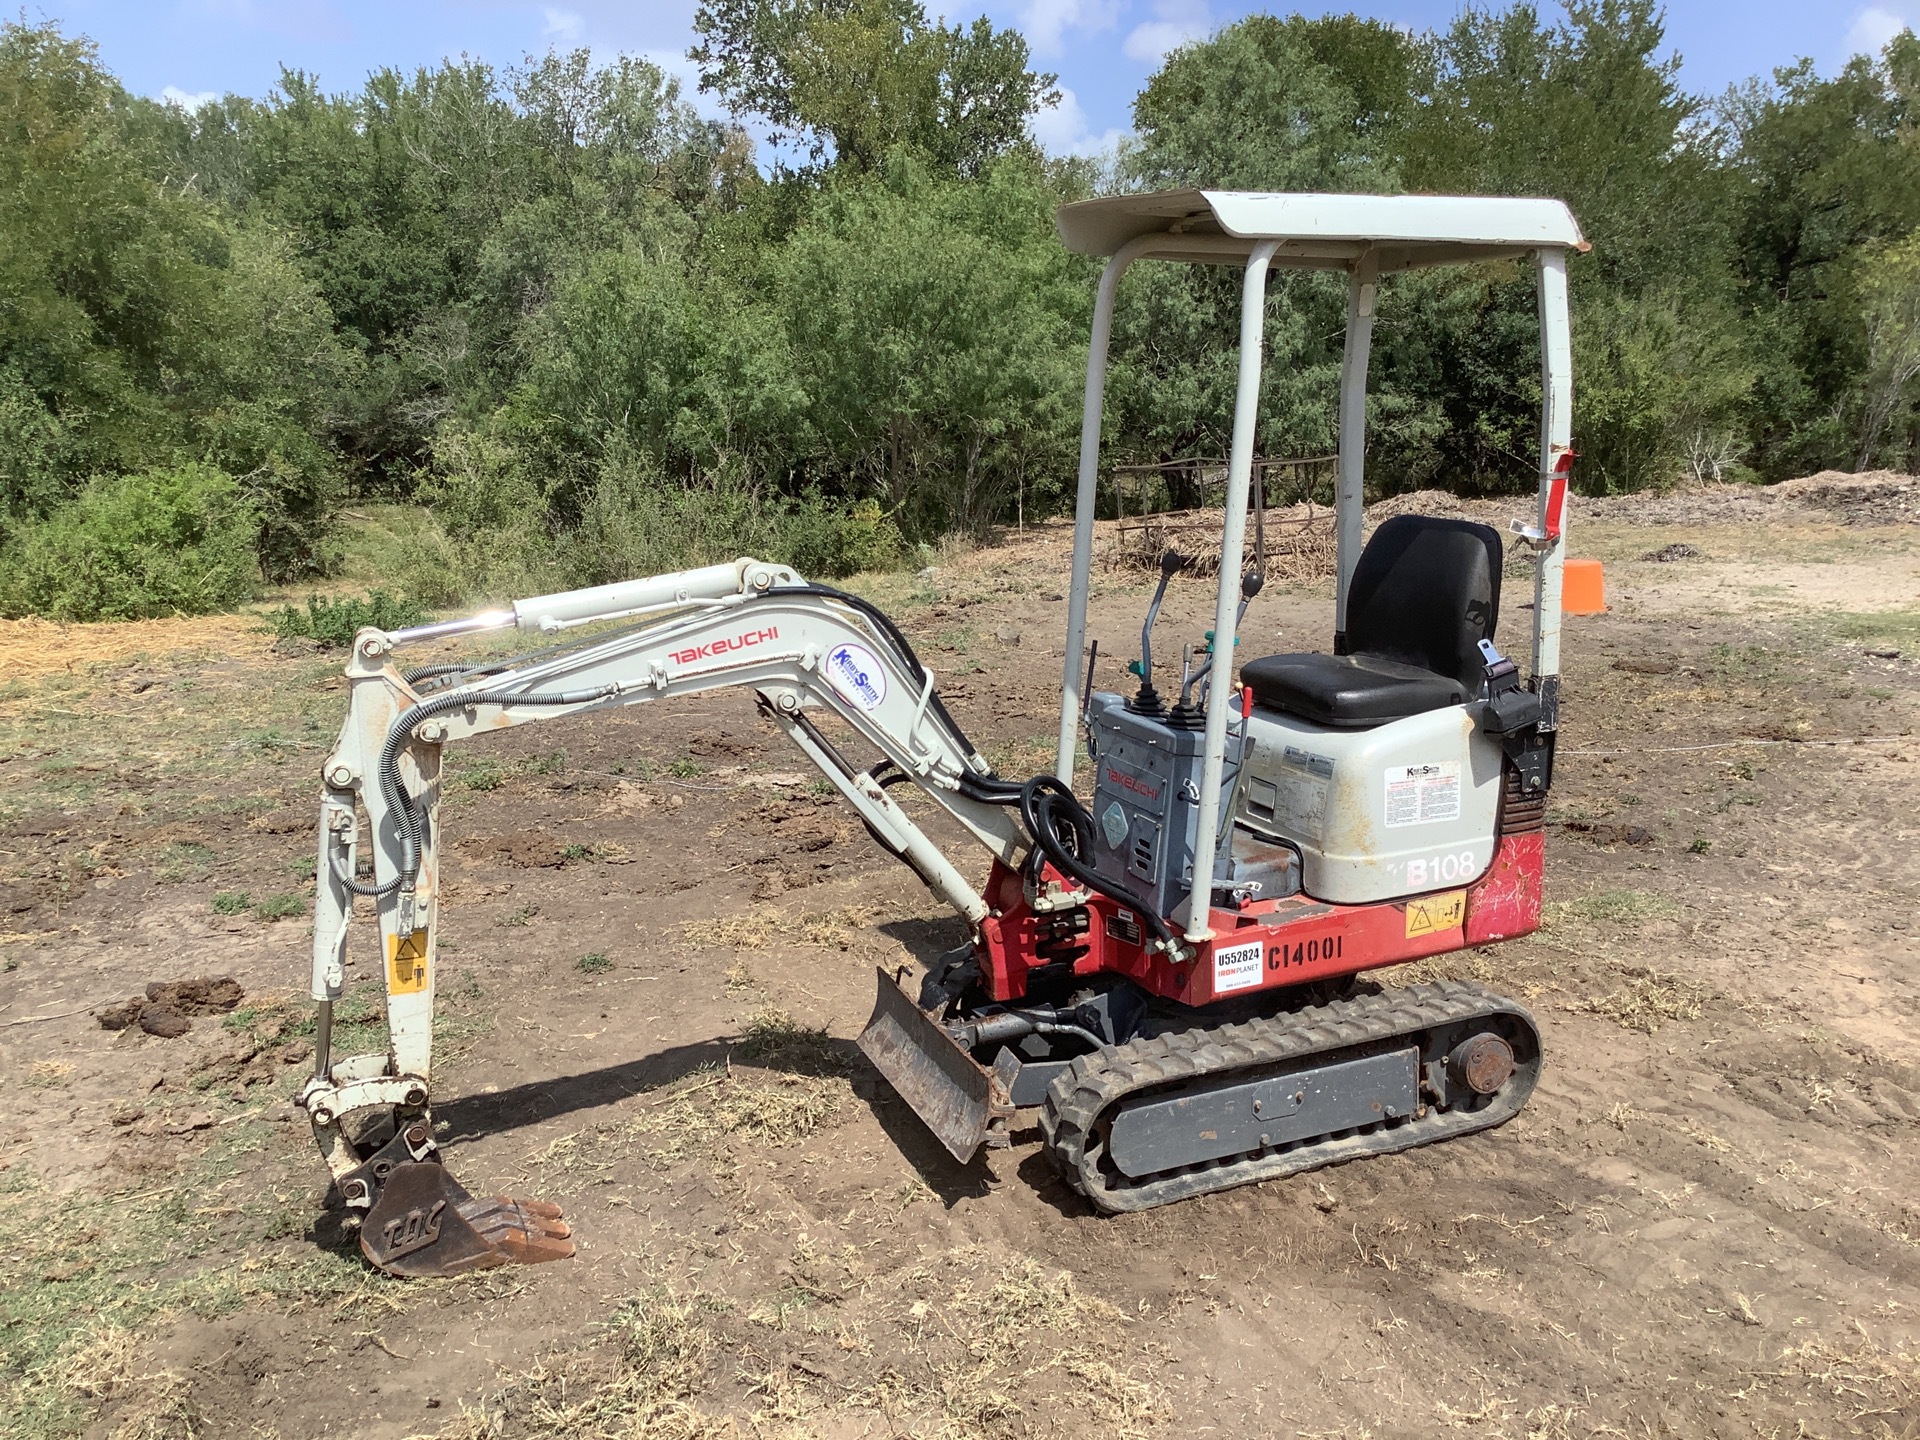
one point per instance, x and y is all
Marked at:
(660, 937)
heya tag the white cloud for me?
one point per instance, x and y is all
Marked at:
(1178, 22)
(1873, 28)
(1046, 22)
(187, 99)
(1063, 130)
(563, 26)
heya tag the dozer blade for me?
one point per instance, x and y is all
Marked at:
(424, 1223)
(956, 1098)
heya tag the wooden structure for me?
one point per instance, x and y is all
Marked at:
(1174, 505)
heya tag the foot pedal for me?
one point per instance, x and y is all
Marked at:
(424, 1223)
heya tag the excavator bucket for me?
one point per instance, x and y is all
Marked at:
(425, 1223)
(955, 1097)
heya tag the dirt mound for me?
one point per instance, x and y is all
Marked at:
(1873, 497)
(1441, 503)
(1679, 550)
(168, 1007)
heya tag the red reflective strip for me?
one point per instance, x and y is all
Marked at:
(1556, 505)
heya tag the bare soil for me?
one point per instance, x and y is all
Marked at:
(660, 937)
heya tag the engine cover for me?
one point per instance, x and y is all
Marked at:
(1403, 808)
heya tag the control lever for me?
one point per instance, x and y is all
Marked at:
(1250, 584)
(1147, 699)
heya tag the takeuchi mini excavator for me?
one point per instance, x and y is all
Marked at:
(1162, 969)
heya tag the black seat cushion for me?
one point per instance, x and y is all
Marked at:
(1424, 594)
(1349, 691)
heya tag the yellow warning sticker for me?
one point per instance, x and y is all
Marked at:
(1433, 913)
(407, 963)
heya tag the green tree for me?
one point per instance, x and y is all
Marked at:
(1890, 286)
(1825, 167)
(935, 325)
(855, 79)
(1271, 104)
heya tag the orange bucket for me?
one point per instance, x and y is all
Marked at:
(1582, 591)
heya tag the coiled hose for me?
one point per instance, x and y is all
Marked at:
(403, 805)
(1062, 831)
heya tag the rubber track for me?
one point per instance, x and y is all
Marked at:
(1095, 1083)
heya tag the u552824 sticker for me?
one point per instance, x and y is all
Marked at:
(1236, 967)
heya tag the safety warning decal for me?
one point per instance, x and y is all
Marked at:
(1236, 967)
(1421, 794)
(1433, 913)
(407, 963)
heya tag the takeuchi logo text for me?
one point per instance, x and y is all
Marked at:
(1127, 782)
(721, 647)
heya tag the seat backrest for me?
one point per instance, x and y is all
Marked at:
(1426, 592)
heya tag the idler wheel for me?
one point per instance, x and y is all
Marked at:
(1483, 1063)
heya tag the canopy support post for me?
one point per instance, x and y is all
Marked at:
(1556, 458)
(1086, 499)
(1363, 282)
(1220, 694)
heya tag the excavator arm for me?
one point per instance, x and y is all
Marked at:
(801, 648)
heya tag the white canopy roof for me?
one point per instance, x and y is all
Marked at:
(1322, 231)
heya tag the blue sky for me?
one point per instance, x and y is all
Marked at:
(1102, 49)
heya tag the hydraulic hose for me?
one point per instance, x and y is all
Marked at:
(1045, 804)
(402, 804)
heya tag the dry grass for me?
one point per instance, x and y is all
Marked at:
(1649, 1000)
(34, 647)
(702, 1114)
(988, 1361)
(775, 1040)
(1573, 920)
(50, 1074)
(763, 927)
(1861, 1379)
(656, 1353)
(1023, 1297)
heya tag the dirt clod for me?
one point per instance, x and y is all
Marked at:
(168, 1007)
(164, 1021)
(1679, 550)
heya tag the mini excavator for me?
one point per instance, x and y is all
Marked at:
(1163, 970)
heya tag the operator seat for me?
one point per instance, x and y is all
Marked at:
(1425, 593)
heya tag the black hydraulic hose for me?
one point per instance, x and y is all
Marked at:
(396, 796)
(1045, 803)
(899, 641)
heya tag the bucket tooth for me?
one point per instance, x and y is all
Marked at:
(424, 1223)
(956, 1098)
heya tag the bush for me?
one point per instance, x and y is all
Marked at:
(334, 623)
(636, 521)
(176, 541)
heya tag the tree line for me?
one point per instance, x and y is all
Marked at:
(596, 334)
